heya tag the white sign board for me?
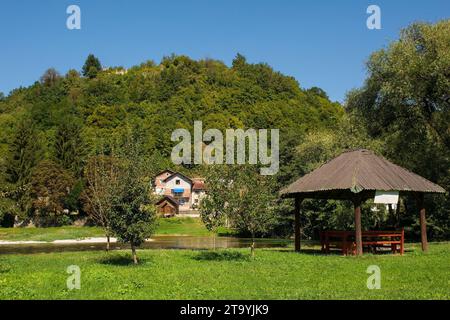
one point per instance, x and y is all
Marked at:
(386, 197)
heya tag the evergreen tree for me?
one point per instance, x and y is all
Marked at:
(23, 152)
(91, 67)
(69, 149)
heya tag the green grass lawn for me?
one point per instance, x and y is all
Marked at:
(169, 226)
(49, 234)
(227, 274)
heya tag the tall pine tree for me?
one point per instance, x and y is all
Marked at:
(91, 67)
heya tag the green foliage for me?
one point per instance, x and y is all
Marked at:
(133, 211)
(51, 185)
(213, 208)
(23, 152)
(91, 66)
(50, 77)
(242, 197)
(69, 148)
(404, 104)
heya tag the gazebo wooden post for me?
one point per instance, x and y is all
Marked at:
(297, 231)
(423, 221)
(358, 232)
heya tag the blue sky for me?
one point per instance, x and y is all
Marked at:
(321, 43)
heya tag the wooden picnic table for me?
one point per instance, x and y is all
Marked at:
(371, 240)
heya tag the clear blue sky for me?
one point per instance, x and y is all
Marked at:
(321, 43)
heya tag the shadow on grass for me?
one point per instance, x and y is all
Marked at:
(4, 269)
(120, 260)
(222, 255)
(307, 251)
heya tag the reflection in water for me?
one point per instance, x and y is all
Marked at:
(159, 242)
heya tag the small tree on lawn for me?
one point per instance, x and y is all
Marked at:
(243, 197)
(251, 202)
(133, 214)
(213, 207)
(101, 174)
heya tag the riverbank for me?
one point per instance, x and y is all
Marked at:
(168, 226)
(227, 274)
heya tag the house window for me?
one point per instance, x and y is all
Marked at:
(177, 181)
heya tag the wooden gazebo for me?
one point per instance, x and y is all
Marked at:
(356, 176)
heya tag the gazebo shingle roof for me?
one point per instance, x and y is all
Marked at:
(360, 170)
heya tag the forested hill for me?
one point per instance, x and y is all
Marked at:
(52, 129)
(161, 97)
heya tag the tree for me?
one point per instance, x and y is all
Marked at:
(24, 153)
(133, 214)
(102, 177)
(213, 207)
(252, 202)
(405, 103)
(69, 148)
(244, 197)
(91, 66)
(50, 185)
(239, 61)
(50, 77)
(72, 74)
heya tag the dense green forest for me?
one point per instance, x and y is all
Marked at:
(51, 129)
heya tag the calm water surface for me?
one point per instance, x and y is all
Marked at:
(159, 242)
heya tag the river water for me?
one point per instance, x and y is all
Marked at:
(158, 242)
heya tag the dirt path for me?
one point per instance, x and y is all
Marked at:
(67, 241)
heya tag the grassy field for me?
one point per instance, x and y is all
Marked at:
(170, 226)
(227, 274)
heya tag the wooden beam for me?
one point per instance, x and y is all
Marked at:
(297, 226)
(358, 232)
(423, 221)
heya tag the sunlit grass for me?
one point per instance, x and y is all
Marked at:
(227, 274)
(166, 226)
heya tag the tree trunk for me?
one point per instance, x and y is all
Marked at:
(214, 242)
(252, 248)
(108, 241)
(133, 253)
(391, 215)
(397, 214)
(423, 222)
(297, 226)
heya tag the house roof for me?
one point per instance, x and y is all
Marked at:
(166, 170)
(199, 184)
(178, 174)
(169, 199)
(356, 171)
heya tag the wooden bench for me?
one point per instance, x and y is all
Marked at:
(371, 241)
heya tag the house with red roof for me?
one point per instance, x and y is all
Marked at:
(186, 191)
